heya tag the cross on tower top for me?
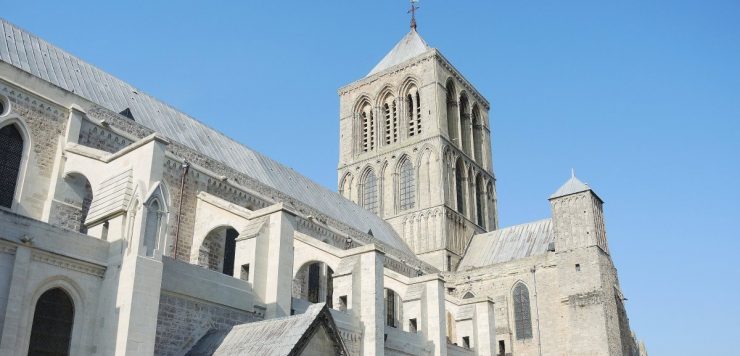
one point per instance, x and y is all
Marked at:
(412, 11)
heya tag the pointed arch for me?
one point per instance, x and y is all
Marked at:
(13, 150)
(53, 322)
(453, 121)
(412, 110)
(406, 183)
(345, 185)
(76, 192)
(460, 185)
(365, 125)
(468, 295)
(369, 190)
(157, 212)
(390, 126)
(480, 200)
(465, 126)
(478, 144)
(522, 311)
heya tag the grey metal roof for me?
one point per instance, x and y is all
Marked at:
(274, 337)
(43, 60)
(572, 186)
(508, 244)
(408, 47)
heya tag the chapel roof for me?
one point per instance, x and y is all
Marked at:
(407, 48)
(281, 336)
(508, 244)
(41, 59)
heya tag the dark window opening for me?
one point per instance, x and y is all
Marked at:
(466, 342)
(313, 282)
(53, 318)
(501, 348)
(459, 187)
(11, 154)
(343, 303)
(230, 251)
(449, 263)
(578, 267)
(390, 308)
(412, 325)
(329, 287)
(245, 272)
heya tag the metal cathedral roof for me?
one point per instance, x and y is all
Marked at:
(31, 54)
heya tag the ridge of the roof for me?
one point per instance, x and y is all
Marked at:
(29, 53)
(410, 46)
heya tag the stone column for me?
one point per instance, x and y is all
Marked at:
(11, 333)
(273, 268)
(433, 322)
(485, 328)
(367, 299)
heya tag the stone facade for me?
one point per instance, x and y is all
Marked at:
(131, 225)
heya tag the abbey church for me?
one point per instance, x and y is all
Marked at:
(128, 227)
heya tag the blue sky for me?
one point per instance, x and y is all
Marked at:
(642, 98)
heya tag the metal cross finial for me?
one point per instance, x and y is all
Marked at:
(412, 11)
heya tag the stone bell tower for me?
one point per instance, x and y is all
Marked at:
(415, 148)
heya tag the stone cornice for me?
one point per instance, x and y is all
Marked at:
(68, 263)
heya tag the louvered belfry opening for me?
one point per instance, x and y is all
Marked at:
(11, 155)
(53, 319)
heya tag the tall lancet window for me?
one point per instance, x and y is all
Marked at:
(522, 315)
(11, 154)
(367, 123)
(407, 191)
(370, 192)
(413, 112)
(390, 111)
(459, 186)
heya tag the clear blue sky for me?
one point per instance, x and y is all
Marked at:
(641, 97)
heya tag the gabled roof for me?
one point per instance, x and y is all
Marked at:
(508, 244)
(408, 47)
(572, 186)
(41, 59)
(274, 337)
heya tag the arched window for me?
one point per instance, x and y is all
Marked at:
(11, 154)
(345, 187)
(53, 319)
(522, 314)
(459, 171)
(413, 112)
(153, 224)
(392, 306)
(452, 121)
(478, 144)
(479, 200)
(407, 192)
(367, 123)
(218, 250)
(391, 120)
(465, 134)
(370, 192)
